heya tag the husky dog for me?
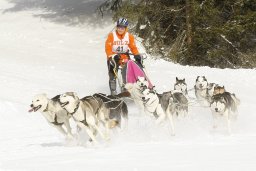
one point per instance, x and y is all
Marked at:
(177, 102)
(211, 88)
(181, 86)
(223, 104)
(84, 113)
(115, 109)
(219, 90)
(155, 105)
(201, 90)
(135, 91)
(53, 112)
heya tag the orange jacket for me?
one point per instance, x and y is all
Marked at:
(109, 44)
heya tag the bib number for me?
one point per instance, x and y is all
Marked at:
(120, 49)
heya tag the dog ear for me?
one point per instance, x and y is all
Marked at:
(74, 94)
(183, 80)
(197, 78)
(152, 91)
(177, 79)
(139, 78)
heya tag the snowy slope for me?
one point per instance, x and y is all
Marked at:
(53, 46)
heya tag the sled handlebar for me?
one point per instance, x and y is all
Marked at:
(143, 55)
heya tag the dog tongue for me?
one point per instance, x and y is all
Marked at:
(31, 110)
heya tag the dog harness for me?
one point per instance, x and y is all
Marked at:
(77, 106)
(147, 106)
(83, 121)
(56, 122)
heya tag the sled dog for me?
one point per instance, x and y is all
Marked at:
(135, 90)
(114, 109)
(84, 112)
(218, 90)
(155, 105)
(201, 90)
(53, 112)
(176, 101)
(223, 104)
(181, 86)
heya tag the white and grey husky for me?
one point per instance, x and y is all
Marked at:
(201, 91)
(176, 101)
(155, 105)
(181, 85)
(84, 114)
(90, 110)
(224, 105)
(114, 109)
(135, 91)
(53, 113)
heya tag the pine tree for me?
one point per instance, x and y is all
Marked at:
(211, 33)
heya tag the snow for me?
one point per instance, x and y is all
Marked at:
(143, 27)
(52, 54)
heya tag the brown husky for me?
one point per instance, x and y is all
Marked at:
(219, 90)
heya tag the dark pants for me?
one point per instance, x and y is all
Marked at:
(112, 76)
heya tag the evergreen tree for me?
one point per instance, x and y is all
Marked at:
(211, 33)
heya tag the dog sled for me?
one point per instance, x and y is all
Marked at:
(129, 71)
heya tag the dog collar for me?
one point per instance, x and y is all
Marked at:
(55, 122)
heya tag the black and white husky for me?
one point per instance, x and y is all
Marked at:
(135, 91)
(84, 112)
(201, 91)
(223, 105)
(53, 112)
(176, 101)
(155, 105)
(181, 85)
(115, 109)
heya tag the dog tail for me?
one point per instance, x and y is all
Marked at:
(124, 94)
(124, 111)
(237, 101)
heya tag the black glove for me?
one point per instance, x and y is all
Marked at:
(117, 58)
(138, 59)
(114, 60)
